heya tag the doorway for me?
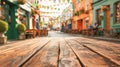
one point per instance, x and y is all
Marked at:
(80, 24)
(107, 20)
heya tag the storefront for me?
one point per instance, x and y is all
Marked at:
(107, 13)
(69, 24)
(8, 14)
(25, 14)
(9, 11)
(82, 15)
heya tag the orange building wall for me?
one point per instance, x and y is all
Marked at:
(81, 25)
(73, 21)
(90, 11)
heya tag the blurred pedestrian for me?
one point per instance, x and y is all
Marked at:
(96, 25)
(91, 26)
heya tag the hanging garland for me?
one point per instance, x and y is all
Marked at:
(63, 1)
(68, 1)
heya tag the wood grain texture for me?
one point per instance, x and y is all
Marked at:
(47, 57)
(60, 52)
(67, 57)
(106, 49)
(88, 57)
(14, 56)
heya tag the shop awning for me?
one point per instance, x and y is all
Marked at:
(26, 7)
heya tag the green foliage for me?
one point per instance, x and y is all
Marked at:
(76, 14)
(3, 26)
(21, 28)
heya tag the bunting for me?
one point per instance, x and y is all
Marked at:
(48, 7)
(58, 9)
(68, 1)
(49, 12)
(59, 1)
(81, 0)
(54, 1)
(55, 6)
(63, 1)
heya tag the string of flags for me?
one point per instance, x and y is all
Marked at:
(54, 6)
(60, 1)
(49, 12)
(50, 7)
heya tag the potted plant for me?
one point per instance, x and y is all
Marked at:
(3, 30)
(21, 29)
(21, 1)
(76, 14)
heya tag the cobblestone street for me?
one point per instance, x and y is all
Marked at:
(60, 50)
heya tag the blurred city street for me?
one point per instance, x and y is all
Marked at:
(59, 33)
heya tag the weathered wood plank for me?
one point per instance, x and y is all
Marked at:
(17, 44)
(67, 57)
(106, 49)
(89, 58)
(47, 57)
(15, 56)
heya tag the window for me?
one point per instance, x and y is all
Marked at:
(117, 12)
(86, 24)
(4, 10)
(74, 10)
(87, 4)
(75, 25)
(77, 1)
(98, 16)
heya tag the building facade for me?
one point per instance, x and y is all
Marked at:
(67, 14)
(106, 13)
(82, 18)
(9, 11)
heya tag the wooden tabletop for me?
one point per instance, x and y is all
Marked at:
(60, 52)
